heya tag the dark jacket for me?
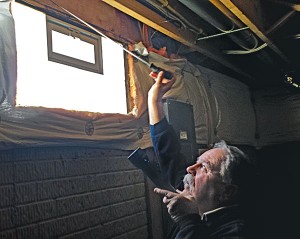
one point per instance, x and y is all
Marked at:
(167, 149)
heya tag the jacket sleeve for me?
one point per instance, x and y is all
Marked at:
(167, 149)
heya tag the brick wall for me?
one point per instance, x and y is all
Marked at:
(71, 193)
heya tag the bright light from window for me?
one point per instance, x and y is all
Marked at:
(49, 84)
(73, 47)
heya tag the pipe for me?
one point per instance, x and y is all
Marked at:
(212, 15)
(173, 14)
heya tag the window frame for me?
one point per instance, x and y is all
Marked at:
(54, 24)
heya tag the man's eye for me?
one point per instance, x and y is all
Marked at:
(203, 166)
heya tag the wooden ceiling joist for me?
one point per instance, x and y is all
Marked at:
(184, 36)
(249, 21)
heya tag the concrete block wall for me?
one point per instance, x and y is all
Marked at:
(71, 193)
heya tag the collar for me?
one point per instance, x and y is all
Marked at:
(207, 214)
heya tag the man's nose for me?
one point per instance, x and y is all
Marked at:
(192, 169)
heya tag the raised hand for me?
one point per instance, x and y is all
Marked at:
(178, 204)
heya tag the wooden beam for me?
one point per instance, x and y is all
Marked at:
(249, 21)
(227, 12)
(105, 18)
(184, 36)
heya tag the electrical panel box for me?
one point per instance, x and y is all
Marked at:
(181, 116)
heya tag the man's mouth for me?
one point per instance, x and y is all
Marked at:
(189, 182)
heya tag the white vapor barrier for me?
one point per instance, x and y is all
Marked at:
(34, 127)
(221, 105)
(277, 115)
(8, 55)
(235, 116)
(188, 88)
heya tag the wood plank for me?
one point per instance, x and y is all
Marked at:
(226, 12)
(112, 22)
(154, 20)
(184, 36)
(250, 21)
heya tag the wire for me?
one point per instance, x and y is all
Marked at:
(295, 37)
(164, 8)
(223, 33)
(235, 52)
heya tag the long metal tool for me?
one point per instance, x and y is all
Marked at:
(167, 74)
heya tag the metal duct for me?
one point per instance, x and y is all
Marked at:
(213, 16)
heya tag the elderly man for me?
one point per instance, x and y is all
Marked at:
(216, 188)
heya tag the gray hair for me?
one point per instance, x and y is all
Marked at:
(237, 167)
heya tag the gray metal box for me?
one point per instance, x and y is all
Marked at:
(181, 116)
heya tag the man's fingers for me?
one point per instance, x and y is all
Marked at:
(164, 192)
(157, 76)
(160, 77)
(153, 75)
(166, 200)
(160, 191)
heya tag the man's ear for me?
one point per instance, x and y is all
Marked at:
(230, 193)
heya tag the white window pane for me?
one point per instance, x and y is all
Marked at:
(73, 47)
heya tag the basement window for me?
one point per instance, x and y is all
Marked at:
(73, 46)
(63, 66)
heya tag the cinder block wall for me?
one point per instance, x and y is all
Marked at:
(71, 193)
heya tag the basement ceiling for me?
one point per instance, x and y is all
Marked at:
(257, 41)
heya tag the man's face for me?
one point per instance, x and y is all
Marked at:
(207, 182)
